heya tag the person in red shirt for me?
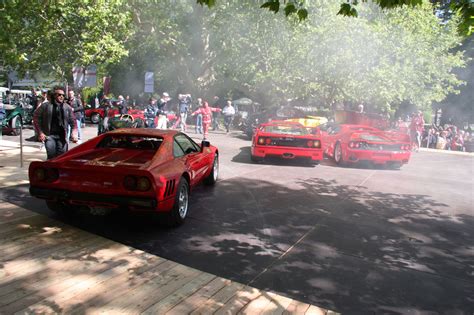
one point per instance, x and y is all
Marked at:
(206, 112)
(416, 129)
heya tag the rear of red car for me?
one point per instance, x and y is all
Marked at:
(286, 140)
(102, 179)
(377, 148)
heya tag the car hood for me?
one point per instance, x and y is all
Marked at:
(113, 157)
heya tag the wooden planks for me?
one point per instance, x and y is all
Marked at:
(49, 267)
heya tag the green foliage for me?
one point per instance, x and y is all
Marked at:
(61, 33)
(464, 8)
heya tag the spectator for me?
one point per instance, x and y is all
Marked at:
(199, 117)
(78, 110)
(150, 113)
(206, 112)
(215, 115)
(183, 108)
(122, 105)
(228, 112)
(161, 112)
(416, 130)
(51, 121)
(457, 142)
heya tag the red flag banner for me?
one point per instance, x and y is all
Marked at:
(107, 85)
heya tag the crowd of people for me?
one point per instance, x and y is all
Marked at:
(446, 137)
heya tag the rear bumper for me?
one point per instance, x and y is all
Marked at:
(377, 157)
(97, 200)
(287, 153)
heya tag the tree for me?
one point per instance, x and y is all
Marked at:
(463, 8)
(62, 33)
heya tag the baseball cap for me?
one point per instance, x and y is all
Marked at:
(166, 94)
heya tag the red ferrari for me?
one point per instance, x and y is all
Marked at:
(349, 144)
(287, 140)
(139, 170)
(95, 114)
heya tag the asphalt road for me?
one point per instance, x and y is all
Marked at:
(355, 240)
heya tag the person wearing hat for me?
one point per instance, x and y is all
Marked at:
(162, 120)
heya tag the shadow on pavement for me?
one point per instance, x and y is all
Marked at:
(337, 246)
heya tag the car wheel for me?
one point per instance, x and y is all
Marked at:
(180, 208)
(394, 165)
(212, 178)
(256, 158)
(16, 125)
(60, 208)
(95, 118)
(312, 162)
(338, 154)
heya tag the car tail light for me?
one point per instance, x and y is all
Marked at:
(310, 143)
(261, 140)
(355, 144)
(268, 141)
(52, 174)
(46, 174)
(130, 182)
(405, 147)
(40, 174)
(317, 143)
(143, 184)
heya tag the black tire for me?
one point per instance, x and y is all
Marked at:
(178, 214)
(212, 178)
(338, 154)
(16, 125)
(394, 166)
(95, 118)
(312, 162)
(256, 159)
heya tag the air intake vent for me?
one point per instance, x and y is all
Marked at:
(170, 187)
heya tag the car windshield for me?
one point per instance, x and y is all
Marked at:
(285, 129)
(130, 142)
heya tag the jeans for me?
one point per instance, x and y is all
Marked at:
(182, 122)
(79, 130)
(55, 146)
(228, 122)
(199, 123)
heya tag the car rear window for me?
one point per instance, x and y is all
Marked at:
(287, 130)
(132, 142)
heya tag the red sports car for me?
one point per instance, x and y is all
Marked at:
(348, 143)
(286, 139)
(95, 114)
(139, 170)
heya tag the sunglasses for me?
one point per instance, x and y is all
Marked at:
(59, 94)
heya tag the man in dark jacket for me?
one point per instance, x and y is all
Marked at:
(51, 121)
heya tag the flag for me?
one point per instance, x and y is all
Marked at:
(78, 76)
(90, 76)
(149, 82)
(107, 85)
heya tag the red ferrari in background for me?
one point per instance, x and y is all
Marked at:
(139, 170)
(95, 114)
(348, 144)
(287, 140)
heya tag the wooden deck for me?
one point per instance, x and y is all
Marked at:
(49, 267)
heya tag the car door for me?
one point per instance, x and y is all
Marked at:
(192, 157)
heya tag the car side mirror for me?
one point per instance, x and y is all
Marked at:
(205, 144)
